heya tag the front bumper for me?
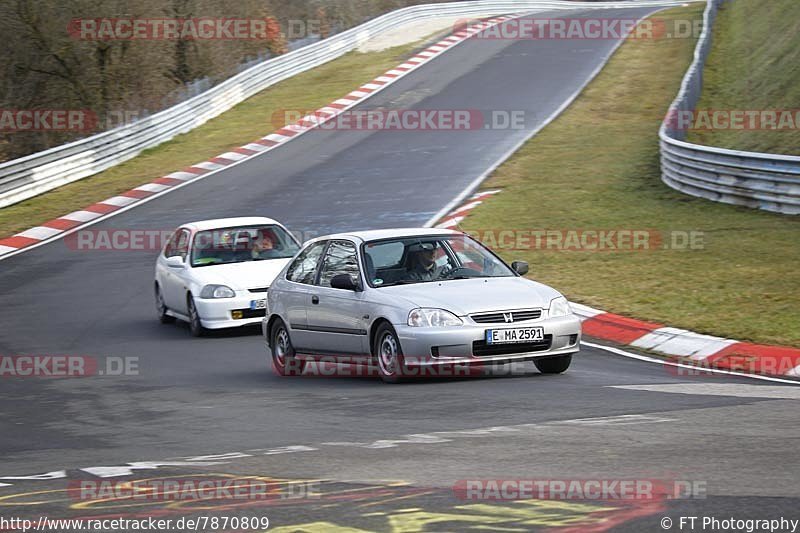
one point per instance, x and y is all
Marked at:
(465, 344)
(219, 313)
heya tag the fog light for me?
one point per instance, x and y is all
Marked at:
(237, 315)
(573, 339)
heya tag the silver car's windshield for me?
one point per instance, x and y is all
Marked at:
(425, 259)
(239, 244)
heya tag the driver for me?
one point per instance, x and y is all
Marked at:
(263, 246)
(422, 262)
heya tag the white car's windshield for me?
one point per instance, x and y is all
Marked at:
(239, 244)
(424, 259)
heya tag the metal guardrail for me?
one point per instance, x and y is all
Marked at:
(764, 181)
(37, 173)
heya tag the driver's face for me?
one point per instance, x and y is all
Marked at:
(427, 258)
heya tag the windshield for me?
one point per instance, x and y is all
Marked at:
(240, 244)
(425, 259)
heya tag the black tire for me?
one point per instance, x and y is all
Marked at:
(389, 355)
(161, 308)
(553, 365)
(195, 326)
(284, 362)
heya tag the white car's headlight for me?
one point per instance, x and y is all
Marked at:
(559, 307)
(432, 318)
(217, 291)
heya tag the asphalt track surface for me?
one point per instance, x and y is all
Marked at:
(734, 437)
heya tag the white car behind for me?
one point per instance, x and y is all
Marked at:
(215, 274)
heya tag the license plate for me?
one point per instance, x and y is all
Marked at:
(514, 335)
(258, 304)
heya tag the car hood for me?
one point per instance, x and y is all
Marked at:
(241, 276)
(467, 296)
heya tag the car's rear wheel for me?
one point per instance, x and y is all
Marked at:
(161, 308)
(388, 354)
(553, 365)
(195, 326)
(284, 361)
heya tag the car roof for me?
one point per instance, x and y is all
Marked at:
(395, 233)
(217, 223)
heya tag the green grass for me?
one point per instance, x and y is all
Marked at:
(244, 123)
(754, 66)
(597, 167)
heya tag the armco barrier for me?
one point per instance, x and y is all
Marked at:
(37, 173)
(764, 181)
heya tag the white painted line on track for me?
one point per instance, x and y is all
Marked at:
(695, 368)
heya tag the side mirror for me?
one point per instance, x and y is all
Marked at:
(345, 282)
(520, 267)
(175, 261)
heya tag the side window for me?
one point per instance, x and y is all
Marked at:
(304, 268)
(340, 259)
(178, 244)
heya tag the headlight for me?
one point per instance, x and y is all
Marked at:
(559, 307)
(432, 318)
(217, 291)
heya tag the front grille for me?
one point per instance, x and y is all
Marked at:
(500, 317)
(481, 349)
(259, 289)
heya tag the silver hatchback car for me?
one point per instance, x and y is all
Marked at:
(408, 300)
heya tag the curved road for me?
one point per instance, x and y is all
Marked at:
(608, 418)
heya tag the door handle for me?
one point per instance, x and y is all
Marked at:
(315, 300)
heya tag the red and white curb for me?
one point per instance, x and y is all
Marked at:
(706, 351)
(58, 227)
(454, 218)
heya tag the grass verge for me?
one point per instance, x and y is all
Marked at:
(597, 168)
(750, 68)
(242, 124)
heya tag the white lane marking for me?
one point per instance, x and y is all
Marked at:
(256, 147)
(739, 390)
(119, 201)
(233, 156)
(58, 474)
(619, 420)
(435, 437)
(208, 165)
(39, 233)
(127, 470)
(704, 369)
(466, 207)
(676, 341)
(151, 187)
(81, 216)
(182, 175)
(584, 311)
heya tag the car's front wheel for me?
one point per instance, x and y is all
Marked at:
(284, 361)
(388, 354)
(195, 326)
(161, 308)
(553, 365)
